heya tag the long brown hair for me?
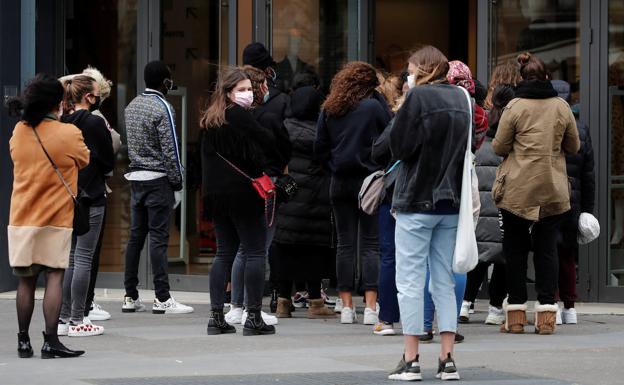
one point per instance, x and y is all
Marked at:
(75, 89)
(507, 73)
(390, 87)
(355, 81)
(257, 77)
(214, 116)
(431, 65)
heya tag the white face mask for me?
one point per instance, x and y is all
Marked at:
(411, 81)
(244, 99)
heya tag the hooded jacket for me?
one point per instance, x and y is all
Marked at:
(97, 137)
(429, 136)
(306, 218)
(534, 132)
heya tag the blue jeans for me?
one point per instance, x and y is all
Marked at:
(425, 240)
(460, 288)
(388, 301)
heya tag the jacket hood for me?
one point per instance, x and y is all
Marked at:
(76, 118)
(563, 89)
(536, 89)
(305, 103)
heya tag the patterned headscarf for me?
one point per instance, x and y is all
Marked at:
(459, 74)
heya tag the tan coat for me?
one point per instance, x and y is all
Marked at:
(533, 135)
(42, 211)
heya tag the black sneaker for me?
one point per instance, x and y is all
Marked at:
(406, 371)
(426, 338)
(459, 338)
(218, 325)
(447, 369)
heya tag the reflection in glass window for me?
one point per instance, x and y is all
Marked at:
(547, 28)
(310, 37)
(616, 120)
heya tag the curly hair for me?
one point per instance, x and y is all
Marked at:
(355, 81)
(506, 73)
(257, 77)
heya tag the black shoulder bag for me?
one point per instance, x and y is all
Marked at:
(81, 205)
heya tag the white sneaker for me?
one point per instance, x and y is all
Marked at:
(62, 329)
(569, 317)
(234, 316)
(338, 308)
(558, 320)
(370, 317)
(384, 329)
(85, 329)
(131, 306)
(267, 318)
(464, 312)
(97, 313)
(170, 307)
(347, 316)
(495, 316)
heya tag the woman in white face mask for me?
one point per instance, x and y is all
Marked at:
(233, 150)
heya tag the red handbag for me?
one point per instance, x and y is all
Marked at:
(265, 188)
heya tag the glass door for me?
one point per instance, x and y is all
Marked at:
(193, 38)
(311, 36)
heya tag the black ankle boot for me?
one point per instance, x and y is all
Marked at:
(273, 304)
(52, 348)
(217, 324)
(24, 349)
(254, 325)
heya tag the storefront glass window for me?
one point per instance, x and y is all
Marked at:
(312, 37)
(547, 28)
(109, 43)
(616, 122)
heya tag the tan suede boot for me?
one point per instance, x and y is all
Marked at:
(545, 318)
(283, 308)
(515, 318)
(317, 309)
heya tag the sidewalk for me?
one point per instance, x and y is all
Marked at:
(143, 348)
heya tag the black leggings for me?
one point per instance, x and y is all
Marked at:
(497, 288)
(95, 268)
(300, 263)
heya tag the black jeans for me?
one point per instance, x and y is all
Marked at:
(151, 207)
(358, 245)
(247, 231)
(520, 234)
(302, 263)
(497, 288)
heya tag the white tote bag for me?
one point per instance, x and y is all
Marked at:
(466, 254)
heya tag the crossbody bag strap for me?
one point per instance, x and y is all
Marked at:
(238, 170)
(56, 169)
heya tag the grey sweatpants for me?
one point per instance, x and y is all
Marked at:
(78, 273)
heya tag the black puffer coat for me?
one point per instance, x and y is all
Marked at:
(306, 219)
(582, 178)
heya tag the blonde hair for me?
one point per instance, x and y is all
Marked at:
(76, 87)
(390, 87)
(105, 84)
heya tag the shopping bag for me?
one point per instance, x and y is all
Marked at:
(466, 254)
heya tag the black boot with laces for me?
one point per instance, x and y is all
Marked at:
(218, 325)
(255, 326)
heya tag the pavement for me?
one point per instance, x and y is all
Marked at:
(144, 348)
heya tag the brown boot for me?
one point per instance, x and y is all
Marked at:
(515, 318)
(317, 309)
(545, 318)
(283, 308)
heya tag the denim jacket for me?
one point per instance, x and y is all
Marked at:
(429, 136)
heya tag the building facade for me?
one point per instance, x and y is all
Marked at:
(581, 41)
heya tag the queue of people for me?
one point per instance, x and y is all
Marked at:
(282, 178)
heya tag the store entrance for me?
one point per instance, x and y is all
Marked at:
(402, 26)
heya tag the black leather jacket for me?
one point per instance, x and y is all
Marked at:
(429, 136)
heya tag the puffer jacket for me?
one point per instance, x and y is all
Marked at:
(488, 232)
(306, 219)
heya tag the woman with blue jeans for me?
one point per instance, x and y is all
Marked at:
(428, 136)
(460, 288)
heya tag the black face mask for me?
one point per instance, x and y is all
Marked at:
(96, 106)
